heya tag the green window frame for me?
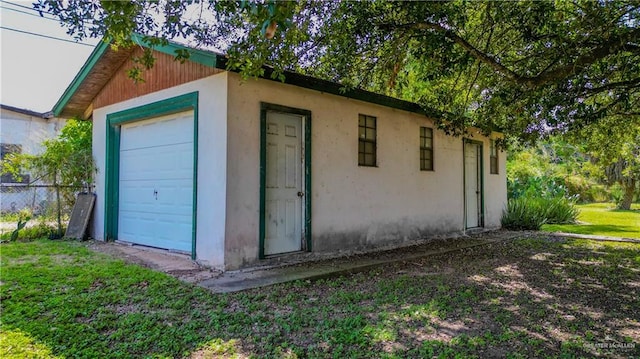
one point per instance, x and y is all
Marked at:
(493, 158)
(367, 137)
(426, 149)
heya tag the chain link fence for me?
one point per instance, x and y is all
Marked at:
(40, 202)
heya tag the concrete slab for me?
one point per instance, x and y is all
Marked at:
(234, 281)
(304, 266)
(176, 264)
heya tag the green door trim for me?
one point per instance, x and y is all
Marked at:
(464, 182)
(114, 121)
(306, 122)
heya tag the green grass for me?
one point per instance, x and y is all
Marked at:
(603, 219)
(530, 297)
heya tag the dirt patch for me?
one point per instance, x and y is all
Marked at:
(176, 265)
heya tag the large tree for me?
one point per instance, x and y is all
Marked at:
(614, 147)
(526, 67)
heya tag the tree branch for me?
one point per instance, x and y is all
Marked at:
(608, 47)
(626, 84)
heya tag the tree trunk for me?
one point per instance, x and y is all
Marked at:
(629, 188)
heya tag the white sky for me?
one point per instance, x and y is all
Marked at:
(35, 71)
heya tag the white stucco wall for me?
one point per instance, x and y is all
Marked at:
(352, 206)
(212, 155)
(28, 131)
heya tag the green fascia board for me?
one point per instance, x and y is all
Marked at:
(314, 83)
(202, 57)
(96, 54)
(215, 60)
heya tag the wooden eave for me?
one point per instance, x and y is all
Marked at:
(91, 78)
(104, 61)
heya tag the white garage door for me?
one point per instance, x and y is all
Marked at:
(156, 182)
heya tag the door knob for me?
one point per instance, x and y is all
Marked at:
(300, 194)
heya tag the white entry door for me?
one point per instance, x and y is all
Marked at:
(156, 182)
(473, 184)
(283, 184)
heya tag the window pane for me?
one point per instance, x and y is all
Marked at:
(371, 122)
(361, 146)
(428, 142)
(427, 154)
(422, 131)
(494, 165)
(369, 147)
(428, 165)
(361, 132)
(428, 132)
(361, 120)
(371, 134)
(369, 160)
(361, 158)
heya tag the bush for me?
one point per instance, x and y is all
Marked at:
(40, 230)
(559, 210)
(544, 186)
(527, 213)
(523, 214)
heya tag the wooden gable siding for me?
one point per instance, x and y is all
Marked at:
(165, 73)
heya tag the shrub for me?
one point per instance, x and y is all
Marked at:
(544, 186)
(40, 230)
(559, 210)
(528, 213)
(523, 214)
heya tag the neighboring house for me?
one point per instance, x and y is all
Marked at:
(23, 131)
(196, 160)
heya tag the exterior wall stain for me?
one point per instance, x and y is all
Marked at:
(353, 207)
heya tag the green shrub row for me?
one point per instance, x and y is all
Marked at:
(528, 213)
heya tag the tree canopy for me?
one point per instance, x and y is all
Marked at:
(527, 68)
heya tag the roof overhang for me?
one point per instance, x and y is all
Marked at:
(105, 60)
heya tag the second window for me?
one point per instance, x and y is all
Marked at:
(426, 149)
(366, 140)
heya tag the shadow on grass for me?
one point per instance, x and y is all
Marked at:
(632, 211)
(523, 298)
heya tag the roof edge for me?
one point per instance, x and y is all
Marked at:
(202, 57)
(96, 54)
(216, 60)
(24, 111)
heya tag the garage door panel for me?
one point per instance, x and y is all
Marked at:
(157, 163)
(136, 228)
(156, 182)
(167, 130)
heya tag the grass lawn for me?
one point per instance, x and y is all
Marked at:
(603, 219)
(529, 297)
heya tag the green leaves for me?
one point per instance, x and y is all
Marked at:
(66, 160)
(526, 68)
